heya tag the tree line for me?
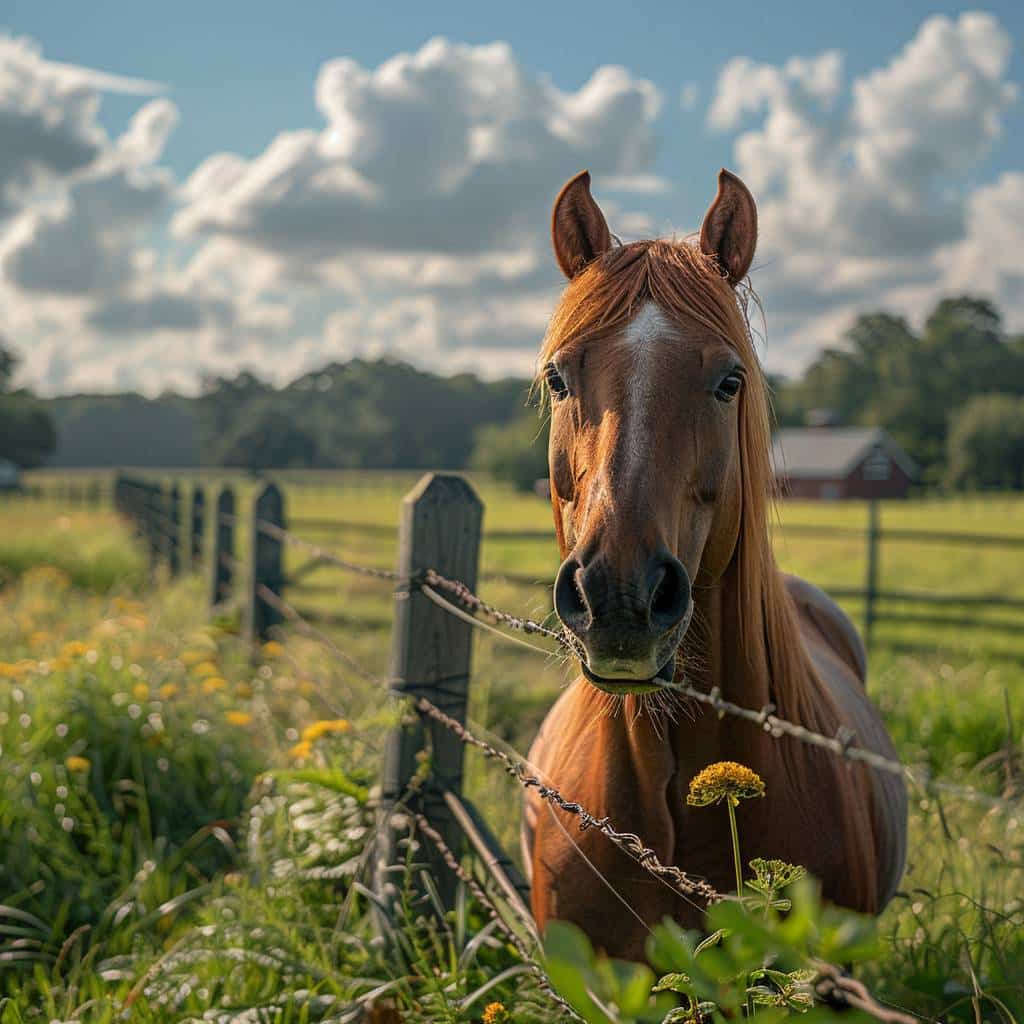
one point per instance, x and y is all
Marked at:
(952, 393)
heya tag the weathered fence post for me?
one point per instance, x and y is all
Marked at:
(153, 512)
(430, 657)
(223, 555)
(197, 522)
(174, 530)
(871, 583)
(267, 563)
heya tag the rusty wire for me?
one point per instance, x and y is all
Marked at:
(843, 744)
(487, 903)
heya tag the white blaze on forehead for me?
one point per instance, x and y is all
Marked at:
(643, 335)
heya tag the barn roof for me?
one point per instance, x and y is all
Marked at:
(832, 452)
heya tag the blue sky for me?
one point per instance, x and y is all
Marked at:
(233, 77)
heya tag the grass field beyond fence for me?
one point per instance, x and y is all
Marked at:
(208, 862)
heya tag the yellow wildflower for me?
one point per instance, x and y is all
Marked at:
(167, 691)
(495, 1013)
(724, 780)
(9, 671)
(140, 691)
(213, 684)
(325, 727)
(204, 668)
(272, 649)
(239, 717)
(74, 649)
(301, 750)
(75, 763)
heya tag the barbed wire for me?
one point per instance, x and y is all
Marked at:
(484, 899)
(843, 744)
(630, 843)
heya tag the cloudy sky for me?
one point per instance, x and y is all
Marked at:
(212, 186)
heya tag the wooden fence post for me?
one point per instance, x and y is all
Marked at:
(871, 582)
(198, 522)
(223, 554)
(267, 563)
(430, 657)
(174, 529)
(153, 514)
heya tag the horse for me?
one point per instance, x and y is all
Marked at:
(662, 491)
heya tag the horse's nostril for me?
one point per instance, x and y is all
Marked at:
(570, 602)
(670, 593)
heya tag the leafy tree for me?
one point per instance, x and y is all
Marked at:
(986, 444)
(269, 440)
(27, 433)
(516, 452)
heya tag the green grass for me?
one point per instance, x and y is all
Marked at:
(208, 868)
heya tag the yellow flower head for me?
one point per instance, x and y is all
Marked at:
(301, 750)
(325, 727)
(204, 668)
(167, 691)
(495, 1013)
(724, 780)
(239, 717)
(213, 684)
(74, 763)
(140, 691)
(272, 649)
(74, 649)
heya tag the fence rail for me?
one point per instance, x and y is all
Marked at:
(436, 610)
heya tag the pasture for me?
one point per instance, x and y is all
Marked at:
(185, 827)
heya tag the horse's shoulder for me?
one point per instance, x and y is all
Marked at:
(830, 622)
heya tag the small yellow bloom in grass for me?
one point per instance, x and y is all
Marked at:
(243, 690)
(167, 691)
(75, 763)
(301, 750)
(325, 727)
(239, 717)
(140, 691)
(74, 649)
(11, 671)
(724, 780)
(213, 684)
(272, 649)
(495, 1013)
(204, 668)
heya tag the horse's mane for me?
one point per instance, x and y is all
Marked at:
(688, 287)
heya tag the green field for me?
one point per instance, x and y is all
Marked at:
(209, 865)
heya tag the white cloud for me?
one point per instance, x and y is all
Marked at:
(858, 187)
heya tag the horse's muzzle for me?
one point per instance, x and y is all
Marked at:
(628, 625)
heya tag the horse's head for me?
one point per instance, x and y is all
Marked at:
(647, 362)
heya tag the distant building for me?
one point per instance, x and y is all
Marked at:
(831, 463)
(10, 476)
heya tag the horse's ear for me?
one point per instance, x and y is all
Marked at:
(579, 231)
(729, 231)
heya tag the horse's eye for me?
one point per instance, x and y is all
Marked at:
(558, 387)
(729, 387)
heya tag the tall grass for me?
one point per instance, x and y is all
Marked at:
(176, 842)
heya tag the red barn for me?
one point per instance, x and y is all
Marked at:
(830, 463)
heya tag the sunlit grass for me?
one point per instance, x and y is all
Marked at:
(184, 826)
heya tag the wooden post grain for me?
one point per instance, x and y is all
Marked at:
(430, 657)
(223, 555)
(267, 564)
(197, 522)
(871, 581)
(174, 530)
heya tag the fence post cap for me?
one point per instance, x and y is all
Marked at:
(442, 487)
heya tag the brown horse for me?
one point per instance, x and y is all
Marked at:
(661, 480)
